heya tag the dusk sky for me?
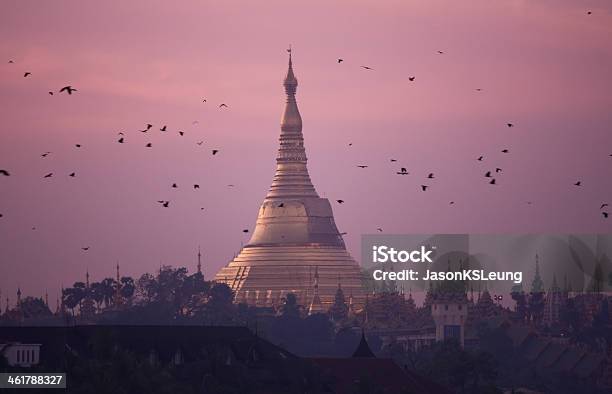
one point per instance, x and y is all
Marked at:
(543, 65)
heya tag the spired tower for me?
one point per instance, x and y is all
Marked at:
(294, 233)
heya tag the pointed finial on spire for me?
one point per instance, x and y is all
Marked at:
(199, 260)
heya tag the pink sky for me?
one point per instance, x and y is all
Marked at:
(543, 65)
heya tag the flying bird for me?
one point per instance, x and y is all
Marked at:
(402, 171)
(488, 174)
(393, 160)
(215, 151)
(49, 175)
(492, 182)
(431, 175)
(479, 89)
(579, 183)
(45, 154)
(351, 144)
(498, 169)
(367, 68)
(604, 205)
(68, 89)
(181, 133)
(11, 62)
(340, 60)
(121, 140)
(163, 128)
(200, 142)
(72, 174)
(424, 187)
(411, 79)
(148, 145)
(174, 185)
(196, 186)
(50, 93)
(440, 52)
(480, 158)
(86, 248)
(203, 100)
(164, 203)
(379, 229)
(78, 145)
(504, 150)
(120, 133)
(223, 105)
(589, 12)
(605, 214)
(510, 124)
(5, 173)
(149, 125)
(245, 230)
(344, 233)
(27, 74)
(451, 203)
(362, 166)
(340, 201)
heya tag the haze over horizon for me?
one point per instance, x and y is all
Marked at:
(543, 66)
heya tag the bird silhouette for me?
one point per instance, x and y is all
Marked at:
(78, 145)
(351, 144)
(362, 166)
(50, 93)
(488, 174)
(215, 151)
(498, 169)
(245, 231)
(367, 68)
(492, 182)
(340, 60)
(149, 125)
(72, 174)
(45, 154)
(85, 248)
(431, 175)
(120, 133)
(604, 205)
(505, 151)
(163, 128)
(344, 233)
(340, 201)
(174, 185)
(589, 12)
(281, 205)
(424, 187)
(402, 171)
(27, 74)
(605, 214)
(579, 183)
(440, 52)
(380, 230)
(148, 145)
(393, 160)
(451, 203)
(203, 100)
(200, 142)
(480, 158)
(181, 133)
(11, 62)
(164, 203)
(196, 186)
(121, 140)
(5, 173)
(411, 79)
(510, 124)
(49, 175)
(478, 89)
(223, 105)
(68, 89)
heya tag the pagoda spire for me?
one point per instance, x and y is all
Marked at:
(291, 178)
(315, 305)
(199, 261)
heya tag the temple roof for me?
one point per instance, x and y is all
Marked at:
(363, 350)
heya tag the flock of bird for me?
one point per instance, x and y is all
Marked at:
(489, 175)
